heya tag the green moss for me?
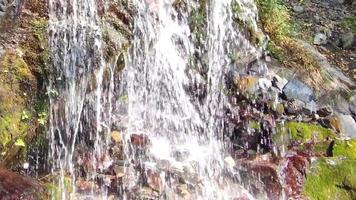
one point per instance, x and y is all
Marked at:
(349, 22)
(345, 148)
(331, 178)
(39, 27)
(279, 26)
(254, 125)
(301, 132)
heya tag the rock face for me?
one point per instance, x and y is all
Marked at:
(347, 125)
(296, 89)
(14, 186)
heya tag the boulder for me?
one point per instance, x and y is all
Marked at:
(293, 171)
(261, 177)
(347, 40)
(320, 38)
(298, 9)
(296, 89)
(14, 186)
(347, 125)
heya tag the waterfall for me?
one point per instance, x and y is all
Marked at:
(180, 136)
(80, 97)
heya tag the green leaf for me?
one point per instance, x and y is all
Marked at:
(20, 143)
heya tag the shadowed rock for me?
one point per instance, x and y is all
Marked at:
(14, 186)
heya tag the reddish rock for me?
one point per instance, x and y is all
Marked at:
(13, 186)
(154, 180)
(141, 140)
(262, 177)
(293, 171)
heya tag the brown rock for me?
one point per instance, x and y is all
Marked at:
(139, 140)
(13, 186)
(325, 111)
(335, 124)
(246, 83)
(262, 176)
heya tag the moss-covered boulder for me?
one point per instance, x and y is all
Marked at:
(22, 75)
(301, 132)
(331, 178)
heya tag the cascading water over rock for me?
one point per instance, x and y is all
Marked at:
(173, 142)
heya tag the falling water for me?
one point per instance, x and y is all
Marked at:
(80, 98)
(184, 135)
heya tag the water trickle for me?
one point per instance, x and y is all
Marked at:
(80, 98)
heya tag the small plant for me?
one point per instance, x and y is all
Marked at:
(42, 118)
(25, 116)
(349, 22)
(20, 142)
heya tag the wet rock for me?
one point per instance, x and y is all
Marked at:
(258, 69)
(319, 39)
(86, 186)
(296, 89)
(293, 172)
(325, 111)
(262, 178)
(294, 107)
(119, 171)
(154, 180)
(264, 84)
(14, 186)
(347, 40)
(143, 193)
(246, 83)
(181, 154)
(116, 137)
(280, 109)
(141, 141)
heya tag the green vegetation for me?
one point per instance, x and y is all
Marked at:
(345, 148)
(39, 27)
(301, 132)
(349, 22)
(283, 44)
(331, 178)
(14, 118)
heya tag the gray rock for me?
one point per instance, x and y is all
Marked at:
(298, 9)
(336, 78)
(2, 51)
(352, 106)
(347, 125)
(336, 101)
(296, 89)
(320, 38)
(279, 82)
(347, 40)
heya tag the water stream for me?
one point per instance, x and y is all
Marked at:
(184, 135)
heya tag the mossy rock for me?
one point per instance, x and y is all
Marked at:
(301, 132)
(15, 76)
(331, 178)
(349, 22)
